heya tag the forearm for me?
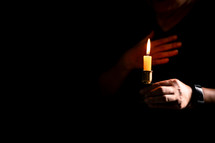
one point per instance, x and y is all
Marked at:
(112, 80)
(209, 95)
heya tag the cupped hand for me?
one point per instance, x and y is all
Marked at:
(161, 51)
(171, 94)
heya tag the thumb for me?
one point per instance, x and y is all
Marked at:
(144, 40)
(151, 35)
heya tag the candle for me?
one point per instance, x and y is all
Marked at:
(147, 59)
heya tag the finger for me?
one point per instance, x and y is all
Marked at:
(154, 86)
(166, 47)
(170, 82)
(143, 41)
(165, 54)
(161, 90)
(160, 99)
(163, 83)
(151, 35)
(163, 40)
(145, 90)
(160, 61)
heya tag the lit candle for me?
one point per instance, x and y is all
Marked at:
(147, 59)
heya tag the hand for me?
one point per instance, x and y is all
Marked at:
(161, 50)
(171, 94)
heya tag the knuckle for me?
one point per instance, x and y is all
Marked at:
(174, 80)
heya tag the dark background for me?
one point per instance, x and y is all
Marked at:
(71, 44)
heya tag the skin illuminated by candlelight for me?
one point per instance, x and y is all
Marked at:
(161, 50)
(172, 94)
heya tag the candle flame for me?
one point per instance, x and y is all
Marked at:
(148, 47)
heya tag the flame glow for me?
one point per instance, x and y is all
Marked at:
(148, 47)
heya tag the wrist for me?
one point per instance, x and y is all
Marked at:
(197, 94)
